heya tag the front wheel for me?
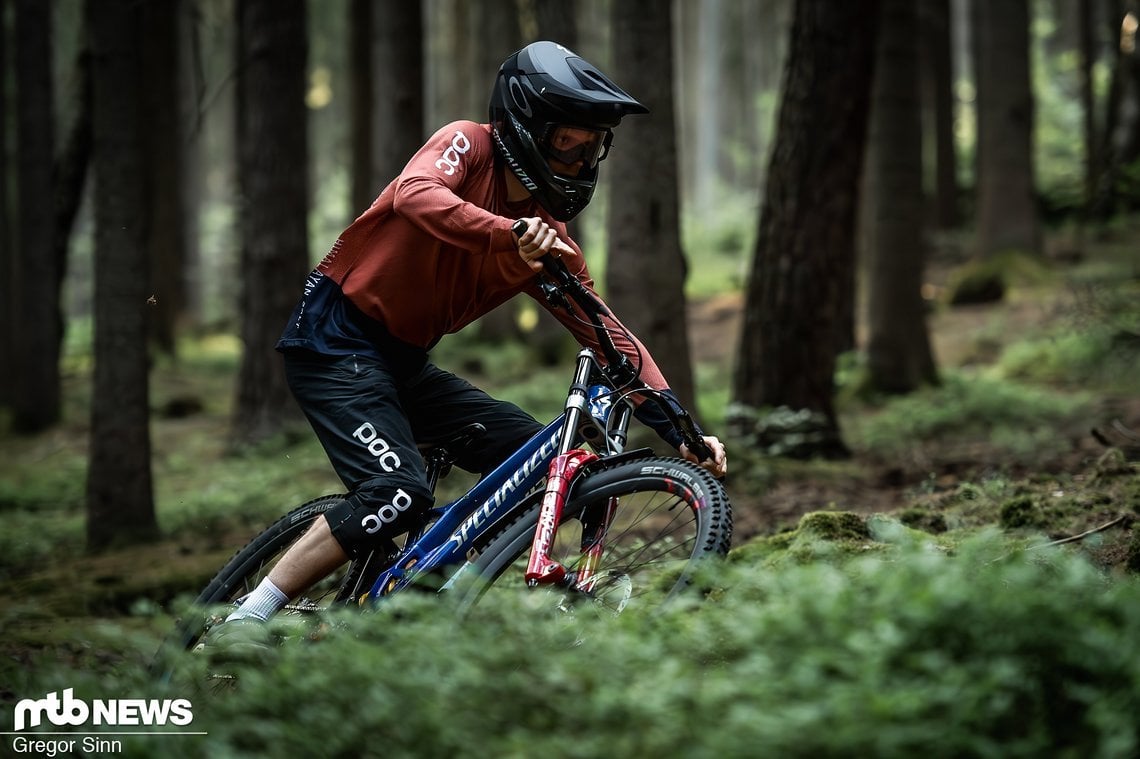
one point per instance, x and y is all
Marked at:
(669, 515)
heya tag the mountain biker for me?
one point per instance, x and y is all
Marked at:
(434, 252)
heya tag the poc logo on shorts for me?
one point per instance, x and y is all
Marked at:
(387, 513)
(377, 446)
(449, 161)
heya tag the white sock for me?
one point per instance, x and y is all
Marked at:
(265, 600)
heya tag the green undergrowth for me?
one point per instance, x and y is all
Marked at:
(979, 649)
(1019, 422)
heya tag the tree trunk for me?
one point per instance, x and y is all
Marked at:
(360, 75)
(937, 67)
(74, 159)
(1088, 57)
(398, 102)
(120, 505)
(898, 350)
(37, 401)
(165, 160)
(557, 21)
(8, 272)
(449, 71)
(497, 35)
(797, 298)
(646, 269)
(1007, 214)
(1126, 139)
(272, 169)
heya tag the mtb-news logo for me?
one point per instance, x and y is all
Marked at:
(133, 716)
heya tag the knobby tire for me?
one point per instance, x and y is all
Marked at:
(242, 573)
(672, 516)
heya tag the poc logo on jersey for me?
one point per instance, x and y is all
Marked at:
(377, 446)
(449, 161)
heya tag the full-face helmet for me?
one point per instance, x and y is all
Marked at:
(552, 115)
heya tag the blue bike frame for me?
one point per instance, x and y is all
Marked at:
(450, 538)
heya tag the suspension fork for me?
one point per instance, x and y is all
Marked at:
(595, 525)
(541, 569)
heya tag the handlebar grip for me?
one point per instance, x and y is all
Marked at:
(548, 261)
(700, 449)
(693, 440)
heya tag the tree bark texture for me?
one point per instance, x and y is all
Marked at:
(646, 269)
(1007, 212)
(165, 145)
(398, 94)
(8, 271)
(37, 399)
(273, 178)
(936, 63)
(360, 77)
(120, 505)
(898, 348)
(497, 35)
(798, 295)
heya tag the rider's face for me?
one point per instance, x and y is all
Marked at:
(570, 149)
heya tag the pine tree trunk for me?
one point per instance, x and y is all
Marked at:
(120, 504)
(646, 269)
(938, 70)
(898, 350)
(497, 35)
(37, 400)
(798, 296)
(1007, 213)
(273, 176)
(165, 160)
(8, 270)
(399, 89)
(360, 75)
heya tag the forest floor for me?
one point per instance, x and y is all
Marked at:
(42, 607)
(961, 337)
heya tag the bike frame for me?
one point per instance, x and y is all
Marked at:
(589, 415)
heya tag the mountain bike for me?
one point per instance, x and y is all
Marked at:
(601, 524)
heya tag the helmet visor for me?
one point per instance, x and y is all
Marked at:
(576, 147)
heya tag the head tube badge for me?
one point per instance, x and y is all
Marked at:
(601, 402)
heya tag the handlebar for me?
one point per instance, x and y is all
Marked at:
(620, 369)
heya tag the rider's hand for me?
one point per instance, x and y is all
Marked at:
(718, 464)
(539, 239)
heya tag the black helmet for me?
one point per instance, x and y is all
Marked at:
(550, 104)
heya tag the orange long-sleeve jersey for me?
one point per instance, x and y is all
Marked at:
(432, 254)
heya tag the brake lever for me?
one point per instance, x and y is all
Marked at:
(692, 439)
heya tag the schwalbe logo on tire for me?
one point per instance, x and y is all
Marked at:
(317, 508)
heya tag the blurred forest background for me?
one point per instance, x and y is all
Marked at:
(172, 169)
(904, 236)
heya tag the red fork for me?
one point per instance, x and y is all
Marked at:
(541, 569)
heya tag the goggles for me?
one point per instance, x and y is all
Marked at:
(570, 144)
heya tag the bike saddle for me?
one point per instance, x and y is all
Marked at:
(448, 449)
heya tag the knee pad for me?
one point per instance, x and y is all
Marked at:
(371, 516)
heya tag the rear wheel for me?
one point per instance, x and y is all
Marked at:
(251, 564)
(670, 516)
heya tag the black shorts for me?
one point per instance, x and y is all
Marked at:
(370, 421)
